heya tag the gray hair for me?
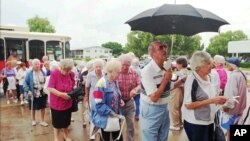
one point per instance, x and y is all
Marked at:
(198, 59)
(112, 67)
(125, 57)
(98, 62)
(89, 65)
(34, 61)
(53, 65)
(67, 64)
(135, 62)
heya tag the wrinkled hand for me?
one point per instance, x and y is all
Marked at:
(122, 104)
(219, 100)
(121, 117)
(65, 96)
(133, 93)
(29, 93)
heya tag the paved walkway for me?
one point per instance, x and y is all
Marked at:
(15, 125)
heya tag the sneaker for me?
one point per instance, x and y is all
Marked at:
(72, 119)
(22, 102)
(33, 123)
(175, 128)
(8, 102)
(15, 101)
(43, 123)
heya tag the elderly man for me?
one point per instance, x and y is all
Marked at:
(156, 84)
(129, 84)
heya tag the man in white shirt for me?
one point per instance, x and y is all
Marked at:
(156, 86)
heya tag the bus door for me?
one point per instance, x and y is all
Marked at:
(15, 49)
(54, 50)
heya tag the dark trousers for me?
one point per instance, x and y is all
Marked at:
(106, 135)
(197, 132)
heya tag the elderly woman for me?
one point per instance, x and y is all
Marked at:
(107, 98)
(200, 99)
(90, 84)
(33, 86)
(219, 64)
(60, 83)
(9, 74)
(236, 86)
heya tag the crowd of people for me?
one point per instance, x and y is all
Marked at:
(120, 89)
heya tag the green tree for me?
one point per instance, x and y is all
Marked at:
(138, 42)
(38, 24)
(116, 48)
(182, 45)
(218, 44)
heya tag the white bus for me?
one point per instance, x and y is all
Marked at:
(29, 45)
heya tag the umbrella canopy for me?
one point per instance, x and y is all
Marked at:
(176, 19)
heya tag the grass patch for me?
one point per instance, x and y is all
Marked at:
(245, 69)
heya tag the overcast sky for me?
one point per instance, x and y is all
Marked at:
(94, 22)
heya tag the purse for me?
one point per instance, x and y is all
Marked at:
(113, 124)
(74, 107)
(218, 133)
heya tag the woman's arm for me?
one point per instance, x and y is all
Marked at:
(58, 93)
(198, 104)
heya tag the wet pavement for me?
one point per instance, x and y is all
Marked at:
(15, 125)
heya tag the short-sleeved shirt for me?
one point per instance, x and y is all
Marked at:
(205, 90)
(127, 82)
(91, 81)
(62, 83)
(152, 76)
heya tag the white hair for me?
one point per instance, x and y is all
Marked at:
(66, 64)
(98, 62)
(34, 61)
(112, 67)
(125, 57)
(198, 59)
(53, 65)
(219, 59)
(89, 65)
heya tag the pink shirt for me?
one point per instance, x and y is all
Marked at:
(63, 84)
(223, 77)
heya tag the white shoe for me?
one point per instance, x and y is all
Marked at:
(43, 123)
(15, 101)
(22, 102)
(8, 102)
(33, 123)
(175, 128)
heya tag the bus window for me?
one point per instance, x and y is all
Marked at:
(15, 49)
(67, 50)
(53, 50)
(36, 49)
(1, 50)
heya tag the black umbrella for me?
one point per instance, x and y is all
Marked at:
(181, 19)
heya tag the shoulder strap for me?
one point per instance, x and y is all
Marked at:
(246, 116)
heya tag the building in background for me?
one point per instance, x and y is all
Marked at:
(92, 52)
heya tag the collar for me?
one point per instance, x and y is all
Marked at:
(155, 66)
(197, 77)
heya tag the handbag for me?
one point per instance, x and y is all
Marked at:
(218, 133)
(74, 106)
(113, 124)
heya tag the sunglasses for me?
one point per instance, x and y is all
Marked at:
(162, 47)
